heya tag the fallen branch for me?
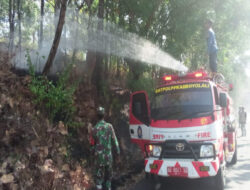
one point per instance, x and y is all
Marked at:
(35, 132)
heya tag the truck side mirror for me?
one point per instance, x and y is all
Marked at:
(223, 100)
(231, 87)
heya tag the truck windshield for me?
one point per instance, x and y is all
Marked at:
(182, 104)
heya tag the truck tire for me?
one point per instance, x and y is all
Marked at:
(220, 180)
(150, 176)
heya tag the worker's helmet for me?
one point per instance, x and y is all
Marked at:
(100, 111)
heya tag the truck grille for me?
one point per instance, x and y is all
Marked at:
(170, 151)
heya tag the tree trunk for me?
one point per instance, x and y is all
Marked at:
(76, 19)
(76, 16)
(19, 29)
(56, 10)
(41, 25)
(57, 37)
(19, 24)
(91, 62)
(57, 6)
(97, 78)
(118, 70)
(11, 24)
(91, 55)
(150, 19)
(135, 68)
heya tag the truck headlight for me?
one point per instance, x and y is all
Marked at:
(154, 150)
(207, 151)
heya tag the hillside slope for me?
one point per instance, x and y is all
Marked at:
(33, 152)
(37, 154)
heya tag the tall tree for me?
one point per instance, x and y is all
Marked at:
(57, 7)
(57, 38)
(76, 16)
(19, 24)
(91, 55)
(141, 16)
(11, 24)
(98, 72)
(41, 25)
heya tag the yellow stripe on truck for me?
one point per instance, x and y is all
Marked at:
(181, 87)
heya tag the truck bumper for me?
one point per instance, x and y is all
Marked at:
(185, 168)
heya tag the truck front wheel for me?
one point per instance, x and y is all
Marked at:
(219, 179)
(152, 177)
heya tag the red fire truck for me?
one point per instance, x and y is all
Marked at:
(188, 128)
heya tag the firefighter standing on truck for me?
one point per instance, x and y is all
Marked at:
(242, 120)
(103, 139)
(212, 47)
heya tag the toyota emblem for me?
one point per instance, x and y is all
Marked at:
(180, 147)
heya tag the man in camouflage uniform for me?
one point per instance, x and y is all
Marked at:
(103, 139)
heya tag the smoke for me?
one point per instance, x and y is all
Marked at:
(241, 92)
(110, 40)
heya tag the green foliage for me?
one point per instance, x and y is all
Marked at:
(116, 105)
(145, 82)
(4, 10)
(30, 10)
(56, 99)
(177, 26)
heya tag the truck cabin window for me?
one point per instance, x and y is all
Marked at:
(182, 104)
(140, 108)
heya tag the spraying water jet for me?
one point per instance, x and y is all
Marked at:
(111, 40)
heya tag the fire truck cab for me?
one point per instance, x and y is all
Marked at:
(187, 129)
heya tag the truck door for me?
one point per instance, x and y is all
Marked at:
(139, 118)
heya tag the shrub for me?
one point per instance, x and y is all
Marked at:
(145, 82)
(56, 99)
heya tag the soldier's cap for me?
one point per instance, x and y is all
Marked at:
(100, 111)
